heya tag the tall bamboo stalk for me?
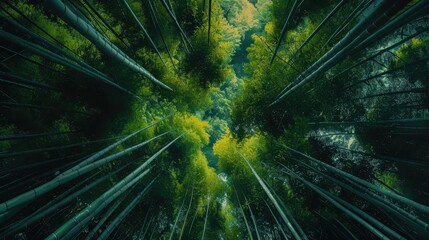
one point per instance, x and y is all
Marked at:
(67, 14)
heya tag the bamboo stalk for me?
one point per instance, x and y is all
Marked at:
(274, 201)
(64, 11)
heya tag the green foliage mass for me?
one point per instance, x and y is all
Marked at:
(253, 147)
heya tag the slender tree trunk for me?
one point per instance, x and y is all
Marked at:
(148, 226)
(187, 212)
(359, 33)
(38, 27)
(205, 221)
(209, 23)
(414, 63)
(255, 225)
(107, 215)
(283, 33)
(94, 10)
(321, 24)
(143, 225)
(353, 178)
(274, 201)
(179, 213)
(55, 148)
(115, 223)
(243, 214)
(58, 59)
(380, 52)
(143, 30)
(277, 221)
(413, 123)
(34, 135)
(158, 28)
(64, 11)
(414, 90)
(379, 202)
(417, 10)
(20, 81)
(112, 146)
(30, 196)
(31, 166)
(388, 158)
(164, 3)
(51, 207)
(342, 208)
(346, 229)
(356, 12)
(18, 29)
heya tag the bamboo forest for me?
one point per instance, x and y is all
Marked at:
(214, 119)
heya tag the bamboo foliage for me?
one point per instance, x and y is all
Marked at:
(342, 173)
(359, 33)
(321, 24)
(416, 11)
(283, 33)
(176, 22)
(66, 13)
(143, 29)
(35, 25)
(380, 52)
(105, 23)
(52, 52)
(356, 12)
(158, 28)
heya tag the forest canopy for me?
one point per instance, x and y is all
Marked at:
(214, 119)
